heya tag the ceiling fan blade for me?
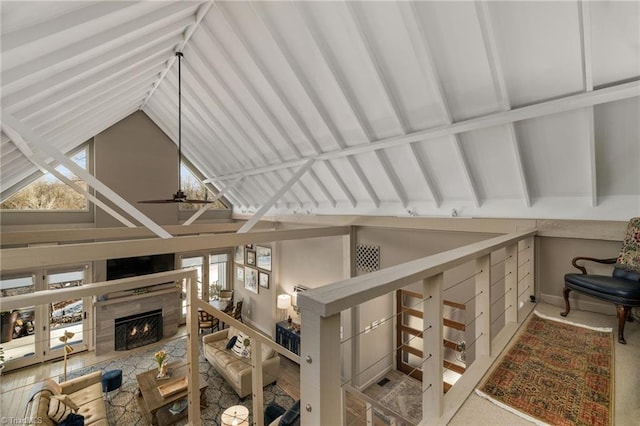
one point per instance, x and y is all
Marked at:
(157, 201)
(198, 201)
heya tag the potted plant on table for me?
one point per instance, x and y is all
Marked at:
(161, 357)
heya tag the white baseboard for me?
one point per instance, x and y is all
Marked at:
(584, 303)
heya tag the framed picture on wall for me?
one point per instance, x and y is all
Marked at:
(240, 273)
(250, 246)
(263, 279)
(264, 257)
(251, 279)
(251, 257)
(239, 255)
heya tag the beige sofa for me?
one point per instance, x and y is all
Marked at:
(236, 369)
(84, 391)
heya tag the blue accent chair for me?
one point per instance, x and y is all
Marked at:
(621, 288)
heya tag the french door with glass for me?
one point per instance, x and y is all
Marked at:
(33, 334)
(213, 274)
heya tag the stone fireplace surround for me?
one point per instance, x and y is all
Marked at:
(107, 309)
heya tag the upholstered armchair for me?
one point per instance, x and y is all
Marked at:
(622, 288)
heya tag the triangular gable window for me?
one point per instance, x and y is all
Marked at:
(195, 189)
(47, 193)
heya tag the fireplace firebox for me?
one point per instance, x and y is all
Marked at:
(138, 330)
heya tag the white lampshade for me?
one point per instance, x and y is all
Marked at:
(236, 415)
(284, 301)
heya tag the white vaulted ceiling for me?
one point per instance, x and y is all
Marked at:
(491, 108)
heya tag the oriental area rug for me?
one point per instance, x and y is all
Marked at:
(556, 373)
(122, 408)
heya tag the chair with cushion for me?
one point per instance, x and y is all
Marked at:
(622, 288)
(237, 311)
(275, 415)
(206, 320)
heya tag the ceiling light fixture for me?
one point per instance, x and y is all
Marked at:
(179, 196)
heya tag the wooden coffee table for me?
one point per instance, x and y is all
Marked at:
(153, 406)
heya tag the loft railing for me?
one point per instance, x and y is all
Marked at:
(322, 383)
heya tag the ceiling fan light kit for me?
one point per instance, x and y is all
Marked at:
(179, 196)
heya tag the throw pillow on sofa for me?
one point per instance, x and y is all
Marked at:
(73, 420)
(231, 342)
(238, 347)
(58, 410)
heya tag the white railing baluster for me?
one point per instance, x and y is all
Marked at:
(321, 400)
(483, 306)
(511, 284)
(432, 349)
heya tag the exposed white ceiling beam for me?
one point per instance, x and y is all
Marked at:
(312, 96)
(203, 58)
(519, 163)
(293, 113)
(9, 121)
(500, 87)
(198, 106)
(429, 70)
(160, 114)
(216, 197)
(78, 132)
(388, 95)
(92, 47)
(238, 127)
(91, 97)
(259, 101)
(584, 11)
(105, 78)
(349, 97)
(266, 206)
(591, 146)
(246, 144)
(437, 198)
(280, 181)
(541, 109)
(138, 51)
(91, 103)
(303, 187)
(493, 54)
(21, 39)
(255, 58)
(201, 12)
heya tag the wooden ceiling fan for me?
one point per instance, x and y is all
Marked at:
(179, 196)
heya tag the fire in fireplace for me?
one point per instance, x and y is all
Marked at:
(138, 330)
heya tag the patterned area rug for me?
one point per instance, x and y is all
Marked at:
(557, 373)
(122, 408)
(405, 398)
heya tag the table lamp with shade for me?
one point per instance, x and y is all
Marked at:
(284, 302)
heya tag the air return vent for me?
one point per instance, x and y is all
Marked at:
(367, 258)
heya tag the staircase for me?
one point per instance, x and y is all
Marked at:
(409, 338)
